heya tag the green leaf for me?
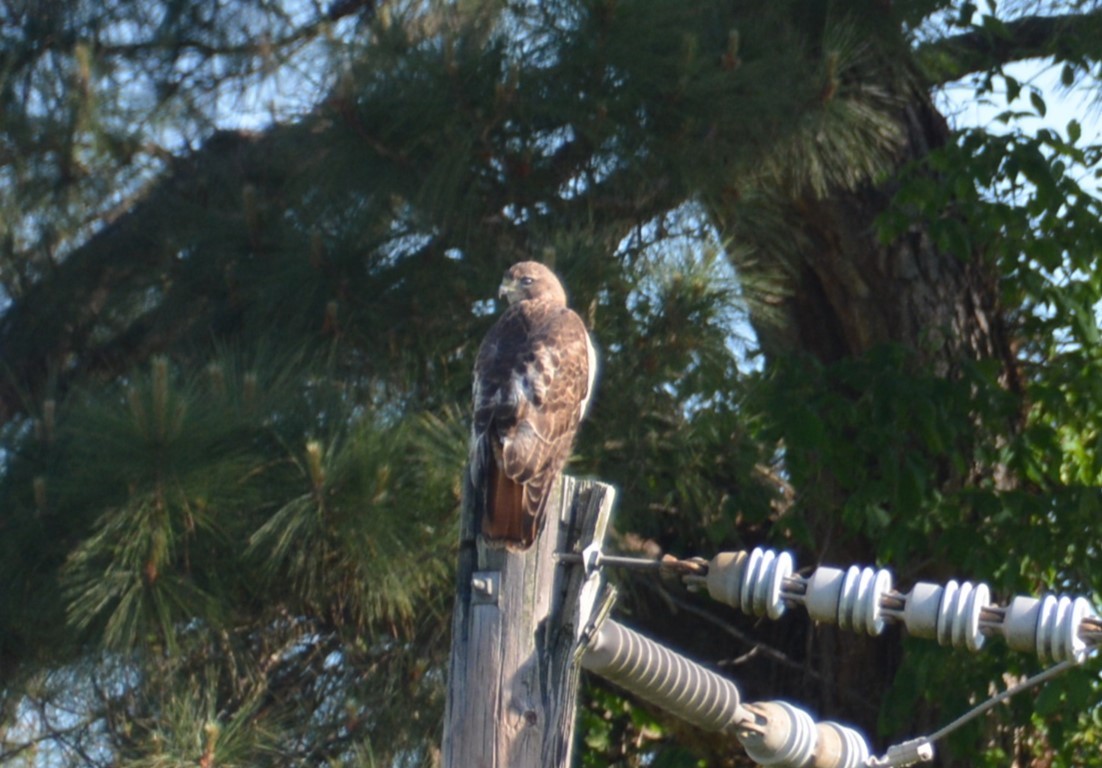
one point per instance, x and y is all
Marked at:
(1074, 131)
(676, 757)
(1038, 103)
(1050, 700)
(1067, 75)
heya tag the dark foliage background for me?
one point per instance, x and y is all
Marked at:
(246, 256)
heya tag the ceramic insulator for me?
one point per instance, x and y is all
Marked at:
(750, 582)
(839, 746)
(1047, 626)
(951, 614)
(850, 599)
(787, 737)
(664, 678)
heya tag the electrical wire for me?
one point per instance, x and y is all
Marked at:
(994, 701)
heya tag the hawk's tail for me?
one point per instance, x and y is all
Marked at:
(511, 511)
(503, 516)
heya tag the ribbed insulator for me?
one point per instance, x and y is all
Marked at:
(1048, 626)
(664, 678)
(750, 582)
(787, 739)
(850, 599)
(839, 746)
(785, 736)
(950, 613)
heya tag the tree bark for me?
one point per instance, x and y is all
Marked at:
(849, 292)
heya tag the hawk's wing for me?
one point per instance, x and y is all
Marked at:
(532, 384)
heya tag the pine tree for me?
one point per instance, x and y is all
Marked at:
(235, 361)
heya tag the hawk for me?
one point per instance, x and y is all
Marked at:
(532, 382)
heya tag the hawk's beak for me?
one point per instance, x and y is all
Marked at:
(508, 290)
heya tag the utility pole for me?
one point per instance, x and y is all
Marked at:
(525, 619)
(513, 677)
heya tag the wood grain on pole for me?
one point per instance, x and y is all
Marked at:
(512, 684)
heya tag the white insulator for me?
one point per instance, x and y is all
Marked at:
(750, 582)
(1048, 626)
(958, 621)
(839, 746)
(859, 603)
(850, 599)
(921, 608)
(664, 678)
(950, 613)
(724, 579)
(787, 737)
(1058, 631)
(1019, 624)
(824, 591)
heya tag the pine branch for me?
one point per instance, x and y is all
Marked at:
(14, 58)
(49, 329)
(1067, 36)
(207, 49)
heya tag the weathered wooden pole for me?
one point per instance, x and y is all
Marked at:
(512, 684)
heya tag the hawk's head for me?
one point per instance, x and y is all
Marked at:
(531, 280)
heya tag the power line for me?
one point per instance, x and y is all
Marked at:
(762, 582)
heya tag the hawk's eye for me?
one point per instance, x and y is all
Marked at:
(526, 281)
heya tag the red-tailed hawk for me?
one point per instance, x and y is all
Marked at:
(532, 383)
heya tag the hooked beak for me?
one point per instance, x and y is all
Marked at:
(508, 290)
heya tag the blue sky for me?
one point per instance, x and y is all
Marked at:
(960, 103)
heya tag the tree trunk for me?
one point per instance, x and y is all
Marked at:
(846, 292)
(849, 291)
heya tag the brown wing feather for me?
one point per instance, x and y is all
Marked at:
(532, 377)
